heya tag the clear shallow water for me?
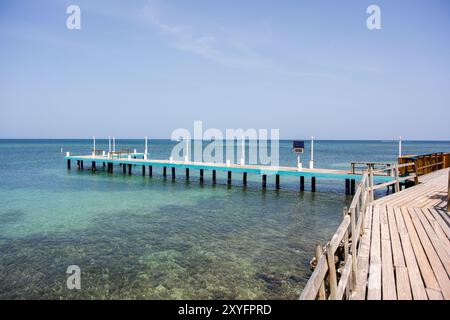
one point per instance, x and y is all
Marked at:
(141, 237)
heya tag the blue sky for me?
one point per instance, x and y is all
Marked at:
(144, 68)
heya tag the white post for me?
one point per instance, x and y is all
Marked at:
(299, 163)
(399, 146)
(109, 144)
(243, 152)
(146, 149)
(67, 154)
(186, 157)
(311, 162)
(114, 144)
(93, 150)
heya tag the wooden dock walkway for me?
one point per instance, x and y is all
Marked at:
(405, 248)
(395, 247)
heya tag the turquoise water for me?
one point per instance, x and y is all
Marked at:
(154, 238)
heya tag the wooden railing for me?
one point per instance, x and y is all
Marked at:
(324, 283)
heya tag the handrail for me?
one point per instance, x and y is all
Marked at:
(353, 218)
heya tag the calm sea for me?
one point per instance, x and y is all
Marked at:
(154, 238)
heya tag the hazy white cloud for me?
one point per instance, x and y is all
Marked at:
(208, 45)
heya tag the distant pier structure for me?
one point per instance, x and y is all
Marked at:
(128, 159)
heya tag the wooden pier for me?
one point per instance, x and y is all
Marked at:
(396, 247)
(129, 160)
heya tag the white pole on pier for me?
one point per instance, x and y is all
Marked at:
(311, 162)
(243, 152)
(399, 146)
(146, 149)
(109, 144)
(186, 157)
(114, 144)
(93, 152)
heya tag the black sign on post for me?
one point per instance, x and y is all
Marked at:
(298, 146)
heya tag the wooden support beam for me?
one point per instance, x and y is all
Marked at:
(173, 172)
(187, 173)
(129, 169)
(68, 164)
(264, 181)
(214, 176)
(244, 178)
(277, 181)
(78, 164)
(313, 184)
(302, 183)
(229, 177)
(104, 164)
(352, 186)
(164, 172)
(81, 165)
(143, 171)
(150, 171)
(124, 168)
(347, 186)
(201, 175)
(93, 168)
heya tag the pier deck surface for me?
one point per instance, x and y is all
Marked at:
(404, 252)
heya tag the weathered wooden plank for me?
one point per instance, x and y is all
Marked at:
(434, 262)
(415, 278)
(402, 283)
(387, 272)
(397, 252)
(374, 283)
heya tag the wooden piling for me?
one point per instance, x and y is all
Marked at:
(68, 164)
(129, 169)
(187, 173)
(78, 164)
(201, 175)
(244, 178)
(229, 177)
(93, 168)
(264, 181)
(150, 171)
(352, 186)
(124, 168)
(302, 183)
(164, 172)
(81, 165)
(347, 186)
(313, 184)
(143, 171)
(277, 181)
(104, 164)
(214, 176)
(173, 172)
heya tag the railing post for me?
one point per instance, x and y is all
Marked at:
(344, 213)
(416, 169)
(372, 197)
(331, 272)
(448, 194)
(354, 253)
(318, 252)
(397, 183)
